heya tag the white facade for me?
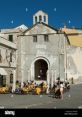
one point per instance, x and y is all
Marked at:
(7, 62)
(8, 56)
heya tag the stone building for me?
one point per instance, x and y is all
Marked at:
(8, 61)
(74, 54)
(46, 53)
(41, 52)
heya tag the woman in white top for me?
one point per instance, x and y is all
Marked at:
(61, 90)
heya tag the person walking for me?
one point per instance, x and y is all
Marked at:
(61, 90)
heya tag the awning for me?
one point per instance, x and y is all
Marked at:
(2, 71)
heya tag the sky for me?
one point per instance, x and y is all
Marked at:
(61, 12)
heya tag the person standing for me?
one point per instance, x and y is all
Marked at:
(61, 90)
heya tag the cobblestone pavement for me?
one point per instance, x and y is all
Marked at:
(72, 99)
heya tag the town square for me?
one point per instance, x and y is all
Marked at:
(40, 55)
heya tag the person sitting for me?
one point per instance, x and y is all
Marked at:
(38, 90)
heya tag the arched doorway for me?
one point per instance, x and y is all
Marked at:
(40, 68)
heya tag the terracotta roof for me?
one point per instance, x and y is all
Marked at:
(74, 36)
(72, 31)
(75, 40)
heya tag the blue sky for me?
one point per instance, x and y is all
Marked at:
(16, 12)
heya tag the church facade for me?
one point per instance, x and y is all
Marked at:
(41, 52)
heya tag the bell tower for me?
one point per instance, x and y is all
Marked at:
(40, 16)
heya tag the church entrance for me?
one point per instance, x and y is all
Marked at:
(41, 68)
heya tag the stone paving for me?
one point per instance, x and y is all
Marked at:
(72, 99)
